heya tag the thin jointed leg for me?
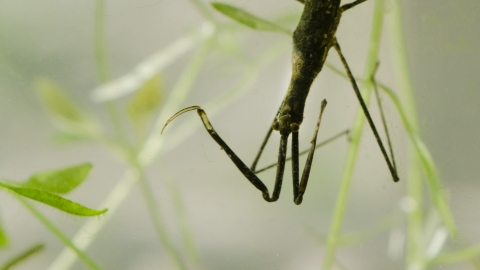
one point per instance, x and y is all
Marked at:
(382, 114)
(392, 169)
(250, 175)
(308, 164)
(262, 147)
(327, 141)
(351, 5)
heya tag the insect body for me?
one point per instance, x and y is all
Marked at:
(312, 39)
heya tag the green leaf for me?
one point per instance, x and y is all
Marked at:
(3, 237)
(248, 19)
(145, 101)
(54, 201)
(59, 181)
(22, 256)
(65, 113)
(57, 102)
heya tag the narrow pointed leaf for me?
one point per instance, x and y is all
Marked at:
(145, 101)
(55, 201)
(22, 257)
(61, 180)
(249, 19)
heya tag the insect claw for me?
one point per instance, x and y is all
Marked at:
(191, 108)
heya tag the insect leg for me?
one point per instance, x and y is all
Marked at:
(295, 164)
(308, 164)
(382, 114)
(327, 141)
(244, 169)
(260, 151)
(392, 169)
(351, 5)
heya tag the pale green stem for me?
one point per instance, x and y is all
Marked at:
(414, 180)
(184, 229)
(158, 222)
(341, 204)
(92, 227)
(100, 44)
(58, 234)
(102, 66)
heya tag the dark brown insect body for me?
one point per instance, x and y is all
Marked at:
(312, 39)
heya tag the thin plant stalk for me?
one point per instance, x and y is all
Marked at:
(101, 60)
(158, 221)
(100, 42)
(414, 179)
(84, 257)
(185, 230)
(92, 227)
(333, 237)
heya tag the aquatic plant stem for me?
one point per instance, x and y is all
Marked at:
(100, 43)
(103, 72)
(58, 234)
(157, 219)
(414, 179)
(340, 207)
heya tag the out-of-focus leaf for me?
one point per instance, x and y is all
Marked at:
(59, 181)
(65, 113)
(3, 237)
(54, 201)
(22, 257)
(57, 102)
(145, 101)
(249, 19)
(465, 254)
(63, 138)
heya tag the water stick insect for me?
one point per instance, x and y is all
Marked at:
(312, 39)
